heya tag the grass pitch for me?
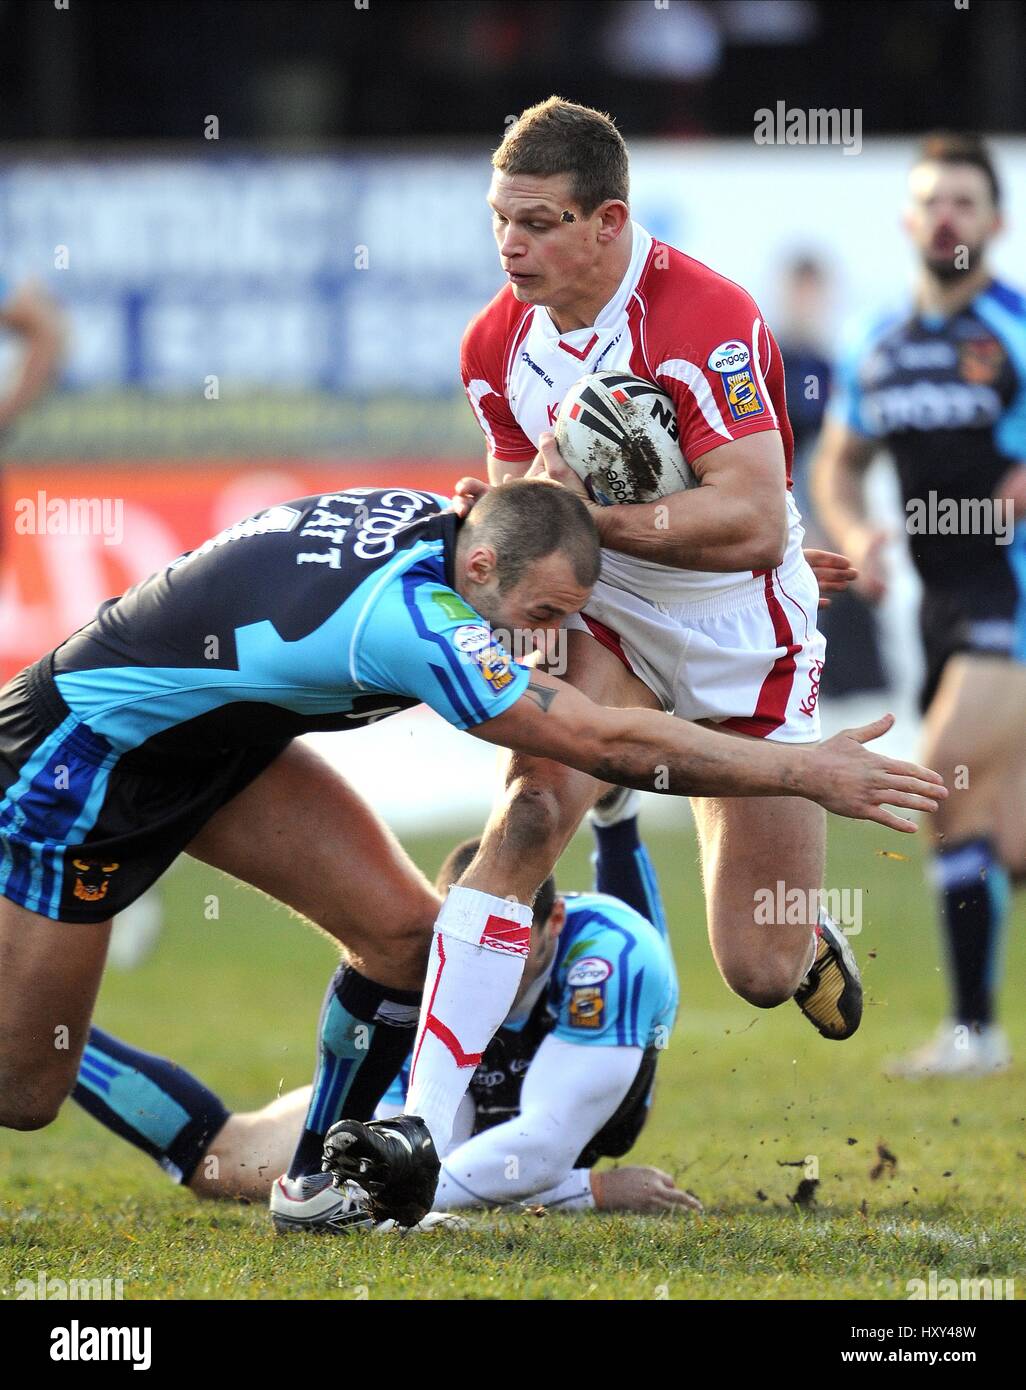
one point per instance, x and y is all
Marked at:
(743, 1096)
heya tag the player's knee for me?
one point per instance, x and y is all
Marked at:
(408, 937)
(534, 816)
(28, 1108)
(764, 985)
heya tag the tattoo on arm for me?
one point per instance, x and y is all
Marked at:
(542, 694)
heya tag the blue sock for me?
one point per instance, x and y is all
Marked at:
(624, 870)
(154, 1104)
(974, 904)
(366, 1032)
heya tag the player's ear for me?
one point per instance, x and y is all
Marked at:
(480, 563)
(613, 217)
(557, 917)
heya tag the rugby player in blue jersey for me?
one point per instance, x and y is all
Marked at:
(566, 1080)
(168, 724)
(941, 385)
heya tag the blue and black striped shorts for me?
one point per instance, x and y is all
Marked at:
(84, 829)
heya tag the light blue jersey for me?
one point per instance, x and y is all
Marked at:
(612, 984)
(947, 397)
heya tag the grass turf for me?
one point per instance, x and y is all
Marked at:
(742, 1096)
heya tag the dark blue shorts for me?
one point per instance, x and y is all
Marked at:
(84, 830)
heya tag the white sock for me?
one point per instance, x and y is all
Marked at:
(477, 959)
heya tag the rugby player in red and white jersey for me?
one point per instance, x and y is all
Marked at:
(706, 606)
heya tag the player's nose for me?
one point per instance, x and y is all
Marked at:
(508, 247)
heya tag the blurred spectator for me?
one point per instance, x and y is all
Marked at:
(854, 664)
(30, 313)
(681, 41)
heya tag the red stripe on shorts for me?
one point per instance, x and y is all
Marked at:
(608, 638)
(771, 706)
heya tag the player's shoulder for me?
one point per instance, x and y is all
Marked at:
(675, 282)
(1003, 309)
(601, 931)
(691, 310)
(1006, 297)
(873, 328)
(489, 332)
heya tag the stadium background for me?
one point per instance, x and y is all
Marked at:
(279, 309)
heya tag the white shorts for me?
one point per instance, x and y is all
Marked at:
(750, 659)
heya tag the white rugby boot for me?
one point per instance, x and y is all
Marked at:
(314, 1203)
(955, 1050)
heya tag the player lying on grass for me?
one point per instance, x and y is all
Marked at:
(169, 724)
(567, 1079)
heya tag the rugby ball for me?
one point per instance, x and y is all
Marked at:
(619, 435)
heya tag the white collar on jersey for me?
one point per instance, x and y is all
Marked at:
(610, 312)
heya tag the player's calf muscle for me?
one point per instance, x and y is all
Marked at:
(49, 976)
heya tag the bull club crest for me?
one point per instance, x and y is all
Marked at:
(91, 879)
(980, 360)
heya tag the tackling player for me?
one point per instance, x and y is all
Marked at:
(566, 1080)
(941, 386)
(168, 723)
(705, 606)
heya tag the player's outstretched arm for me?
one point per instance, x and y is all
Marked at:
(658, 752)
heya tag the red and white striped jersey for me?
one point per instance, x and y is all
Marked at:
(697, 335)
